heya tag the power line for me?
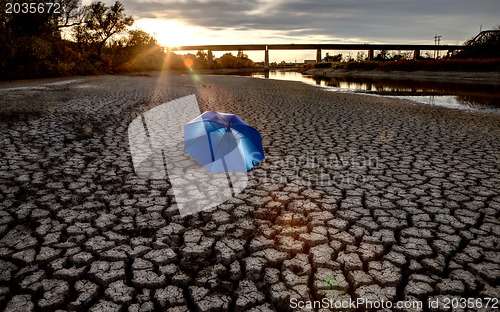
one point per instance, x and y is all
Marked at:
(437, 41)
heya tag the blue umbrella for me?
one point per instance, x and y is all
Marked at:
(223, 142)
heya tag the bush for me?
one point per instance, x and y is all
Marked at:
(470, 65)
(228, 60)
(323, 65)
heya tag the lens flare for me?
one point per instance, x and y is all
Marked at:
(188, 62)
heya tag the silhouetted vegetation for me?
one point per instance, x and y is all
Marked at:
(88, 39)
(482, 54)
(463, 65)
(228, 60)
(95, 39)
(76, 40)
(99, 24)
(450, 64)
(333, 58)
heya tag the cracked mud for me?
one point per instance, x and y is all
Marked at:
(359, 196)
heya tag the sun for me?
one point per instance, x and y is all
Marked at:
(170, 33)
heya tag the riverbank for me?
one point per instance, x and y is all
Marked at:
(491, 78)
(462, 77)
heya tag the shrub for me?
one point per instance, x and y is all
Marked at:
(323, 65)
(479, 65)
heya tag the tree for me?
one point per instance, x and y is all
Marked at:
(137, 51)
(382, 55)
(25, 25)
(228, 60)
(242, 55)
(100, 23)
(32, 43)
(140, 38)
(202, 59)
(71, 13)
(360, 56)
(333, 58)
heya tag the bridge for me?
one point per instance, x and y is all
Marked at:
(416, 48)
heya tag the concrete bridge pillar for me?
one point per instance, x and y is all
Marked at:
(210, 59)
(416, 54)
(318, 55)
(370, 55)
(266, 59)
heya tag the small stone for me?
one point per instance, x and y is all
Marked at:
(313, 239)
(227, 250)
(107, 272)
(120, 293)
(82, 259)
(350, 261)
(322, 257)
(205, 302)
(161, 257)
(48, 254)
(385, 273)
(376, 293)
(25, 256)
(70, 274)
(6, 270)
(418, 289)
(32, 282)
(104, 305)
(416, 248)
(20, 303)
(105, 221)
(273, 257)
(260, 243)
(359, 278)
(450, 287)
(288, 244)
(55, 293)
(144, 277)
(254, 267)
(235, 272)
(169, 296)
(99, 244)
(329, 279)
(87, 292)
(248, 296)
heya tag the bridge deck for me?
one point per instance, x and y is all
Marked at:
(323, 46)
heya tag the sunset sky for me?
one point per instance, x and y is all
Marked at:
(186, 22)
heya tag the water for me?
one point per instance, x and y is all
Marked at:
(464, 96)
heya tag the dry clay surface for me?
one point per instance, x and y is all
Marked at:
(359, 197)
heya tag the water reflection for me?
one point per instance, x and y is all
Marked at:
(468, 96)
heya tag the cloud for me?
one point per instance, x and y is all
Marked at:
(375, 21)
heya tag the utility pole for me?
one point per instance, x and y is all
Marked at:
(437, 41)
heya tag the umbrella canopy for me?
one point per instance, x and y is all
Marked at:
(223, 142)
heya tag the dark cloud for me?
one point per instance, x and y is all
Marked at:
(382, 20)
